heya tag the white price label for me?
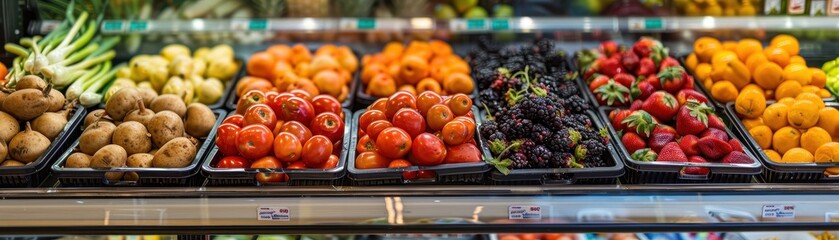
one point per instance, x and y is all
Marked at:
(273, 214)
(779, 211)
(525, 212)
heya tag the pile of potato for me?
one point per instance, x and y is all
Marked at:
(45, 114)
(128, 134)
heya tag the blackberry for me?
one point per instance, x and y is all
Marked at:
(595, 148)
(538, 156)
(537, 108)
(488, 128)
(583, 119)
(575, 104)
(565, 140)
(540, 133)
(497, 136)
(516, 128)
(519, 160)
(561, 160)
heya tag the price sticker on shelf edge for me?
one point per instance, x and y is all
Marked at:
(280, 214)
(113, 26)
(523, 212)
(249, 24)
(642, 24)
(779, 211)
(138, 26)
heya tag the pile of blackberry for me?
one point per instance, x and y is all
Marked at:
(537, 120)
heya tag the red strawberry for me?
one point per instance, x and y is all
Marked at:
(617, 116)
(609, 48)
(646, 66)
(612, 94)
(713, 148)
(672, 79)
(737, 157)
(590, 71)
(644, 46)
(668, 62)
(713, 132)
(689, 83)
(662, 135)
(714, 121)
(636, 105)
(696, 170)
(598, 81)
(624, 79)
(653, 80)
(644, 155)
(630, 60)
(640, 122)
(672, 153)
(735, 145)
(611, 67)
(632, 142)
(690, 145)
(686, 94)
(645, 89)
(661, 105)
(692, 118)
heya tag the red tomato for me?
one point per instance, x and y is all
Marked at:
(428, 150)
(270, 95)
(330, 163)
(268, 162)
(297, 109)
(287, 147)
(325, 103)
(409, 120)
(365, 144)
(409, 175)
(460, 104)
(298, 130)
(301, 94)
(470, 125)
(328, 124)
(376, 127)
(276, 103)
(250, 98)
(260, 114)
(254, 141)
(278, 127)
(296, 165)
(380, 104)
(233, 162)
(427, 99)
(399, 100)
(370, 160)
(393, 143)
(316, 151)
(463, 153)
(399, 163)
(370, 116)
(425, 174)
(235, 119)
(455, 133)
(438, 115)
(226, 139)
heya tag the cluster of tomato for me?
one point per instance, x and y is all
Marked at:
(402, 131)
(291, 130)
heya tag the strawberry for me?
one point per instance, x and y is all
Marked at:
(661, 105)
(672, 79)
(636, 105)
(714, 121)
(672, 153)
(713, 132)
(737, 157)
(653, 80)
(640, 122)
(686, 94)
(624, 79)
(713, 148)
(667, 63)
(689, 83)
(612, 94)
(735, 145)
(617, 116)
(644, 155)
(692, 118)
(642, 90)
(632, 142)
(598, 81)
(611, 67)
(645, 46)
(630, 60)
(690, 145)
(662, 135)
(696, 170)
(646, 66)
(587, 57)
(609, 48)
(594, 67)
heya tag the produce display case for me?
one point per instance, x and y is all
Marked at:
(489, 205)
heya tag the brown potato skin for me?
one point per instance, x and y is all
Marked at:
(177, 153)
(165, 126)
(133, 137)
(200, 120)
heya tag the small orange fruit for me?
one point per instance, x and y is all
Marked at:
(414, 68)
(705, 47)
(819, 77)
(787, 42)
(777, 55)
(798, 72)
(747, 47)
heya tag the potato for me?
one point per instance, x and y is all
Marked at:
(11, 163)
(110, 156)
(122, 102)
(165, 126)
(114, 176)
(51, 123)
(177, 153)
(98, 114)
(77, 160)
(3, 96)
(96, 136)
(169, 102)
(9, 127)
(27, 104)
(200, 119)
(31, 82)
(29, 145)
(142, 114)
(56, 100)
(148, 95)
(140, 160)
(4, 150)
(133, 137)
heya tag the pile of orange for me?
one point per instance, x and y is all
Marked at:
(282, 68)
(727, 68)
(419, 67)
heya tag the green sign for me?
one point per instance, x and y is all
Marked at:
(500, 24)
(475, 24)
(654, 23)
(138, 26)
(366, 23)
(112, 26)
(258, 24)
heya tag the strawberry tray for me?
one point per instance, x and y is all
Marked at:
(661, 172)
(560, 176)
(453, 173)
(776, 172)
(297, 177)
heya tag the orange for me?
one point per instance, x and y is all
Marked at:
(456, 64)
(280, 52)
(788, 89)
(708, 83)
(812, 97)
(429, 84)
(413, 69)
(346, 76)
(703, 71)
(798, 72)
(721, 58)
(458, 83)
(408, 88)
(393, 50)
(729, 45)
(755, 60)
(750, 103)
(305, 85)
(772, 155)
(810, 89)
(803, 114)
(724, 91)
(824, 93)
(829, 120)
(347, 59)
(786, 42)
(280, 68)
(762, 136)
(752, 123)
(777, 55)
(691, 61)
(787, 100)
(381, 85)
(261, 64)
(705, 47)
(797, 155)
(419, 48)
(328, 82)
(819, 77)
(283, 81)
(324, 62)
(372, 70)
(814, 138)
(329, 50)
(828, 152)
(785, 139)
(440, 48)
(300, 54)
(768, 75)
(747, 47)
(775, 116)
(797, 59)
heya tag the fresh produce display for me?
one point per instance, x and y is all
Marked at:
(536, 119)
(429, 130)
(416, 68)
(621, 76)
(283, 68)
(194, 77)
(792, 130)
(282, 130)
(472, 9)
(126, 133)
(31, 118)
(718, 8)
(727, 69)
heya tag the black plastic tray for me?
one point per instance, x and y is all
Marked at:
(546, 176)
(88, 177)
(233, 100)
(32, 174)
(775, 172)
(639, 172)
(456, 173)
(297, 177)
